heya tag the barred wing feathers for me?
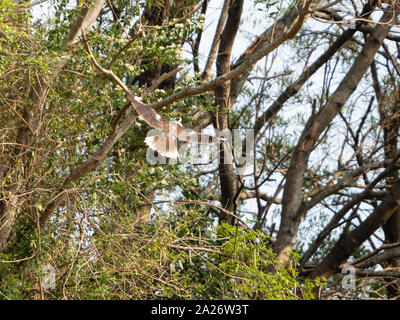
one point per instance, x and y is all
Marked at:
(164, 144)
(150, 116)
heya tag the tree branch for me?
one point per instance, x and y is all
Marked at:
(292, 195)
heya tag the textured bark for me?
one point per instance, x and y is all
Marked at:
(381, 258)
(215, 44)
(227, 175)
(292, 195)
(389, 112)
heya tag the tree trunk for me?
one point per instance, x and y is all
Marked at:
(292, 195)
(228, 180)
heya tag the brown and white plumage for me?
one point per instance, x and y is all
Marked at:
(166, 142)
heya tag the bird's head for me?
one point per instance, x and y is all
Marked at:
(178, 120)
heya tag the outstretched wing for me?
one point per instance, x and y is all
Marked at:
(190, 135)
(149, 115)
(155, 120)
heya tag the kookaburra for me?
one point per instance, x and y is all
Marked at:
(165, 143)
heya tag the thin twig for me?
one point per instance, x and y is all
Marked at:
(159, 80)
(139, 34)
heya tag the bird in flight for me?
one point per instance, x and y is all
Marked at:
(166, 142)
